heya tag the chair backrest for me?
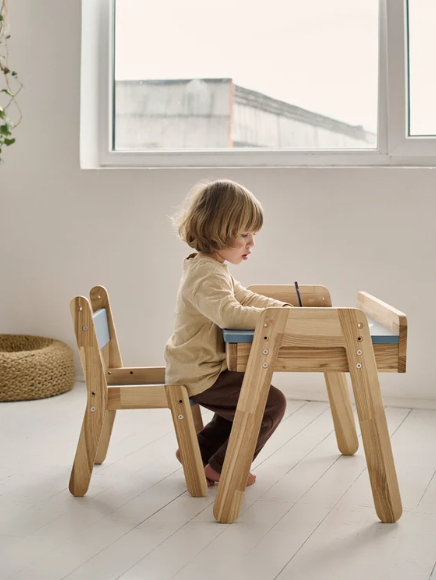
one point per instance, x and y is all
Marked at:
(315, 296)
(111, 350)
(96, 336)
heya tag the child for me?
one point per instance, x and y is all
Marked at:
(220, 222)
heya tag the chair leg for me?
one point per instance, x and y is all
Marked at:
(342, 413)
(178, 402)
(90, 434)
(105, 437)
(372, 417)
(198, 420)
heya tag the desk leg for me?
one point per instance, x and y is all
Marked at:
(342, 413)
(372, 417)
(240, 451)
(249, 413)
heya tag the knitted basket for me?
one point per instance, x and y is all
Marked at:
(34, 367)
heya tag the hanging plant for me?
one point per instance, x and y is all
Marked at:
(10, 85)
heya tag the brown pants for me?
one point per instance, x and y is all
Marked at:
(222, 398)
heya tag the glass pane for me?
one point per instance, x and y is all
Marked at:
(422, 77)
(232, 74)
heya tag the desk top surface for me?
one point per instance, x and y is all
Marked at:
(379, 334)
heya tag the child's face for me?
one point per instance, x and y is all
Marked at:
(239, 250)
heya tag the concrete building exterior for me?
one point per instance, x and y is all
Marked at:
(217, 114)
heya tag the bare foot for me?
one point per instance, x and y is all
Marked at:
(209, 481)
(213, 475)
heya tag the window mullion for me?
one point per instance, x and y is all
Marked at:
(396, 75)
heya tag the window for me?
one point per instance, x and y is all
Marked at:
(233, 75)
(278, 84)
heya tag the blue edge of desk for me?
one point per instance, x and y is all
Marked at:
(379, 334)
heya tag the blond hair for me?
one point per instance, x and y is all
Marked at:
(215, 213)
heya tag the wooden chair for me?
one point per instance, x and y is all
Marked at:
(317, 339)
(112, 387)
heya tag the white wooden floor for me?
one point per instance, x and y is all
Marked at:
(309, 515)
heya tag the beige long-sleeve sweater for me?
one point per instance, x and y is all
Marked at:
(209, 299)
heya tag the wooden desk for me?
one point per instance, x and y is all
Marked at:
(318, 338)
(386, 344)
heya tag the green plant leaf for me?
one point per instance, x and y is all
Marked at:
(5, 130)
(7, 92)
(13, 73)
(9, 142)
(2, 113)
(1, 17)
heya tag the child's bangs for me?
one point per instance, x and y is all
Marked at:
(251, 216)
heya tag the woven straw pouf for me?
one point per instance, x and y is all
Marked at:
(34, 367)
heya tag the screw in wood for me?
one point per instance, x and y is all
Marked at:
(180, 417)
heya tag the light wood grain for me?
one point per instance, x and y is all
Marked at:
(390, 317)
(371, 413)
(135, 375)
(105, 437)
(313, 328)
(100, 299)
(111, 356)
(311, 295)
(137, 397)
(251, 406)
(232, 354)
(343, 420)
(198, 420)
(96, 396)
(129, 388)
(300, 360)
(311, 360)
(178, 401)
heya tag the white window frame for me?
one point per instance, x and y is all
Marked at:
(394, 147)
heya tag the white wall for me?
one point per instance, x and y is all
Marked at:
(63, 230)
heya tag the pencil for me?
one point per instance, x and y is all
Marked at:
(298, 293)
